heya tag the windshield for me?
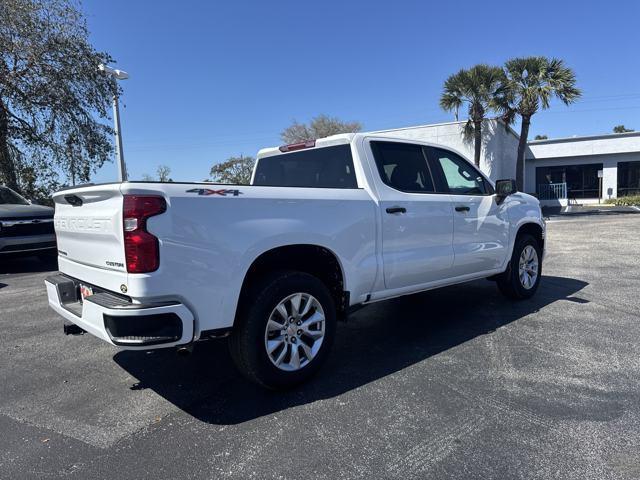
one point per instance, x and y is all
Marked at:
(9, 197)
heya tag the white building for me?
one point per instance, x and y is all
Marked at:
(576, 161)
(557, 170)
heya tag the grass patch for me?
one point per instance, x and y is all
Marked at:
(624, 201)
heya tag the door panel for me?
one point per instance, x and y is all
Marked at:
(416, 245)
(481, 226)
(480, 235)
(417, 223)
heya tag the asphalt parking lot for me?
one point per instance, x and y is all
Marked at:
(457, 383)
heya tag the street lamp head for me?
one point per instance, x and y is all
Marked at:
(114, 72)
(120, 74)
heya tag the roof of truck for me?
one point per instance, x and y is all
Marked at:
(339, 139)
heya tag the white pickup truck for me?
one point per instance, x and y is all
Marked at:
(325, 226)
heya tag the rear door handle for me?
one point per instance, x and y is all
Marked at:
(462, 208)
(396, 210)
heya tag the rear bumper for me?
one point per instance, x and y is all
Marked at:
(29, 244)
(117, 320)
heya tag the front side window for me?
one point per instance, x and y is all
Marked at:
(461, 178)
(325, 167)
(9, 197)
(403, 167)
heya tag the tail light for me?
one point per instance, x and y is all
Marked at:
(141, 248)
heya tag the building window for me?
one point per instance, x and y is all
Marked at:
(628, 178)
(581, 180)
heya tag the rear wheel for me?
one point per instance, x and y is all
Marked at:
(522, 278)
(285, 332)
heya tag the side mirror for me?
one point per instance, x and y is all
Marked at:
(504, 188)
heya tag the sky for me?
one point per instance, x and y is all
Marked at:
(214, 79)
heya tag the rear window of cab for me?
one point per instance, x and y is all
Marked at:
(324, 167)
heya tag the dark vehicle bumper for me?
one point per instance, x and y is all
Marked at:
(27, 245)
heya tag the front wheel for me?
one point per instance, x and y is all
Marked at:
(285, 331)
(522, 278)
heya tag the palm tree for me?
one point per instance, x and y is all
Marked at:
(532, 83)
(479, 87)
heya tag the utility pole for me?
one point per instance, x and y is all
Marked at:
(122, 168)
(116, 75)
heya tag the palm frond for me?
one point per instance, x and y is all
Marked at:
(535, 81)
(477, 87)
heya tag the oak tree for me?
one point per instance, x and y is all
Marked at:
(54, 103)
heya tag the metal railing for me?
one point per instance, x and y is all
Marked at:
(552, 191)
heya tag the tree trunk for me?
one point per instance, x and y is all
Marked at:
(522, 148)
(477, 142)
(7, 167)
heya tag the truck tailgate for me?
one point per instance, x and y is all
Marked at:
(88, 224)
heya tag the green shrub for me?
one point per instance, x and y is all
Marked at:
(624, 201)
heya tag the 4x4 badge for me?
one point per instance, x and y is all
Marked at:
(209, 191)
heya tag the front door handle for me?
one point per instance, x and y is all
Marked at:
(396, 210)
(462, 208)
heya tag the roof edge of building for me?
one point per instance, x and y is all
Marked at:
(459, 122)
(602, 136)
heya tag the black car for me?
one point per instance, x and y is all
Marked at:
(25, 229)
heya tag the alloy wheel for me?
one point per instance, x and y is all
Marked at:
(528, 267)
(295, 331)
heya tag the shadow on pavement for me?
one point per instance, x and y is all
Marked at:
(377, 341)
(28, 264)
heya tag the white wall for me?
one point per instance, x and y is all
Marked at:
(499, 146)
(582, 146)
(610, 174)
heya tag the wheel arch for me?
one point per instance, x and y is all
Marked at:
(535, 230)
(315, 260)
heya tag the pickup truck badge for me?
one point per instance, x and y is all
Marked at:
(209, 191)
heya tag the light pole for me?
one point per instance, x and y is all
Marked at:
(116, 74)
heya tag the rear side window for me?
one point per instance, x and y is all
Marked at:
(403, 166)
(326, 167)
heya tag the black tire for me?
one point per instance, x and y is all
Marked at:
(509, 282)
(247, 341)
